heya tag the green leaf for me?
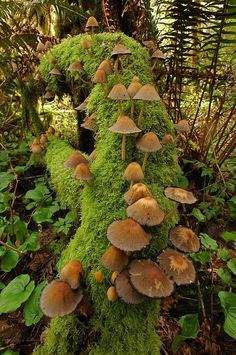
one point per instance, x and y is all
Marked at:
(207, 242)
(224, 275)
(20, 229)
(42, 214)
(228, 303)
(32, 312)
(232, 206)
(10, 352)
(189, 329)
(31, 243)
(182, 182)
(223, 254)
(5, 179)
(16, 293)
(202, 257)
(35, 195)
(9, 260)
(229, 236)
(232, 265)
(198, 215)
(2, 285)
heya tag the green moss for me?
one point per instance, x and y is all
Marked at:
(122, 329)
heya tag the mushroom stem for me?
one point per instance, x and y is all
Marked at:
(141, 114)
(132, 109)
(120, 106)
(171, 213)
(145, 160)
(87, 183)
(131, 183)
(123, 146)
(106, 89)
(185, 215)
(116, 65)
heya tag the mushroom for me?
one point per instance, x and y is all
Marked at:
(146, 211)
(118, 51)
(49, 95)
(48, 45)
(124, 126)
(82, 172)
(91, 24)
(133, 172)
(43, 138)
(85, 43)
(53, 60)
(55, 71)
(149, 44)
(136, 192)
(99, 277)
(36, 140)
(119, 93)
(76, 66)
(184, 239)
(93, 155)
(107, 66)
(133, 88)
(40, 47)
(83, 106)
(89, 122)
(148, 143)
(167, 139)
(58, 299)
(111, 294)
(177, 266)
(182, 126)
(149, 280)
(156, 56)
(57, 134)
(100, 77)
(50, 130)
(114, 259)
(180, 195)
(36, 148)
(74, 160)
(147, 93)
(126, 291)
(71, 273)
(128, 235)
(114, 276)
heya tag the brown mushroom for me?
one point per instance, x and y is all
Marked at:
(149, 44)
(71, 273)
(107, 66)
(99, 277)
(146, 211)
(76, 66)
(91, 24)
(133, 172)
(40, 47)
(36, 148)
(182, 126)
(74, 160)
(111, 294)
(49, 95)
(114, 276)
(58, 299)
(167, 139)
(119, 93)
(184, 239)
(126, 291)
(133, 88)
(127, 235)
(149, 280)
(157, 56)
(55, 71)
(82, 172)
(118, 51)
(43, 138)
(180, 195)
(85, 43)
(136, 192)
(177, 266)
(114, 259)
(100, 77)
(83, 106)
(50, 130)
(148, 143)
(89, 122)
(147, 93)
(48, 45)
(124, 126)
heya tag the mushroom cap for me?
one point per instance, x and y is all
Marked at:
(107, 66)
(180, 195)
(133, 172)
(40, 47)
(114, 276)
(136, 192)
(57, 134)
(100, 77)
(147, 93)
(36, 140)
(55, 71)
(99, 277)
(158, 54)
(119, 92)
(128, 235)
(89, 122)
(148, 279)
(71, 273)
(167, 139)
(149, 44)
(120, 49)
(114, 259)
(74, 160)
(91, 22)
(76, 66)
(125, 289)
(111, 294)
(177, 266)
(58, 299)
(149, 142)
(36, 148)
(82, 172)
(48, 45)
(133, 88)
(83, 106)
(184, 239)
(53, 60)
(48, 95)
(124, 125)
(146, 211)
(43, 138)
(51, 130)
(85, 43)
(182, 126)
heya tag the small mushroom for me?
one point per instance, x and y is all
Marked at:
(128, 235)
(146, 211)
(91, 24)
(177, 266)
(136, 192)
(114, 259)
(147, 93)
(50, 130)
(133, 172)
(58, 299)
(133, 88)
(100, 77)
(40, 47)
(93, 155)
(111, 294)
(148, 143)
(126, 291)
(167, 139)
(89, 122)
(48, 45)
(55, 71)
(36, 148)
(119, 93)
(149, 44)
(83, 106)
(57, 134)
(36, 140)
(43, 138)
(71, 273)
(118, 51)
(182, 126)
(107, 66)
(49, 95)
(99, 277)
(114, 276)
(85, 43)
(74, 160)
(124, 126)
(157, 56)
(184, 239)
(82, 172)
(76, 66)
(180, 195)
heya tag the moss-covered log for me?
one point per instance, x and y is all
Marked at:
(120, 328)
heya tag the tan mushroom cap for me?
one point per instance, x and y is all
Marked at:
(55, 71)
(182, 126)
(82, 172)
(48, 95)
(76, 66)
(120, 49)
(180, 195)
(184, 239)
(89, 122)
(148, 143)
(71, 273)
(107, 66)
(100, 77)
(135, 79)
(114, 259)
(51, 130)
(149, 44)
(85, 43)
(48, 45)
(128, 235)
(177, 266)
(148, 279)
(133, 172)
(136, 192)
(111, 294)
(147, 93)
(126, 291)
(167, 139)
(43, 138)
(40, 47)
(146, 211)
(91, 22)
(124, 125)
(158, 54)
(74, 160)
(53, 60)
(83, 106)
(133, 88)
(57, 134)
(36, 148)
(119, 92)
(58, 299)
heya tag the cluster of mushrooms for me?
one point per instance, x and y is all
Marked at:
(39, 143)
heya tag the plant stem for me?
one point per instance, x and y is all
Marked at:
(120, 106)
(141, 114)
(132, 109)
(10, 247)
(145, 160)
(201, 301)
(123, 147)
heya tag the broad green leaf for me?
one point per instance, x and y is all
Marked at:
(229, 236)
(198, 215)
(182, 182)
(20, 229)
(189, 329)
(2, 285)
(16, 293)
(34, 195)
(10, 352)
(5, 179)
(207, 242)
(232, 265)
(42, 214)
(223, 254)
(224, 275)
(31, 243)
(228, 303)
(232, 206)
(9, 260)
(32, 312)
(202, 257)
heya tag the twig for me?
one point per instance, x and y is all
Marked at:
(10, 247)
